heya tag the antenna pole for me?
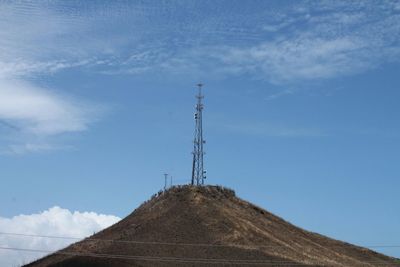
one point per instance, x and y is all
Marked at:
(198, 173)
(165, 181)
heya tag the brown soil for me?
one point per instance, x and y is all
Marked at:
(208, 226)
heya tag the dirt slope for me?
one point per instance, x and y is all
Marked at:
(208, 226)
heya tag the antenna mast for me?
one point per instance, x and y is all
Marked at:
(165, 181)
(198, 172)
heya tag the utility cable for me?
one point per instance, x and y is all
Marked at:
(181, 260)
(172, 243)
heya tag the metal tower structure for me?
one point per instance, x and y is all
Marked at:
(198, 172)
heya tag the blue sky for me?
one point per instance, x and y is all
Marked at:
(301, 108)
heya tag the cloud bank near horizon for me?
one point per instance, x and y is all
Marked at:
(55, 221)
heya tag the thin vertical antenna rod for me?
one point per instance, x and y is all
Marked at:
(198, 173)
(165, 181)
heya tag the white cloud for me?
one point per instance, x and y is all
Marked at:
(302, 41)
(52, 222)
(19, 149)
(319, 42)
(25, 68)
(40, 111)
(303, 58)
(292, 43)
(40, 39)
(305, 43)
(33, 116)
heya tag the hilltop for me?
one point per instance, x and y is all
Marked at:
(208, 226)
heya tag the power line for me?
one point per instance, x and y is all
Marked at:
(180, 259)
(169, 243)
(203, 260)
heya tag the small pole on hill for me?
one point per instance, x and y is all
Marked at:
(165, 181)
(198, 173)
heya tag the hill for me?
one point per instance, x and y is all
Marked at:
(208, 226)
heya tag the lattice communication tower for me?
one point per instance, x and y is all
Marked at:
(198, 172)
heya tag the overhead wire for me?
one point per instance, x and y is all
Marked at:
(168, 243)
(181, 260)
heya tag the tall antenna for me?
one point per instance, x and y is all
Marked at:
(198, 172)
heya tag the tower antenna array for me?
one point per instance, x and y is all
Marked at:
(198, 172)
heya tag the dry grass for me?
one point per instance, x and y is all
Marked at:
(212, 215)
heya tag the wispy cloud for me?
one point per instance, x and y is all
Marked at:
(37, 40)
(33, 114)
(55, 221)
(320, 42)
(289, 44)
(303, 41)
(38, 111)
(20, 149)
(300, 58)
(281, 93)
